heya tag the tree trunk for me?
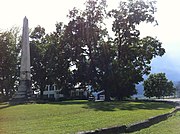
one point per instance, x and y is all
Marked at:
(107, 95)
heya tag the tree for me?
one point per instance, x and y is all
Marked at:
(133, 54)
(50, 59)
(9, 61)
(82, 50)
(38, 48)
(85, 35)
(157, 85)
(113, 65)
(58, 55)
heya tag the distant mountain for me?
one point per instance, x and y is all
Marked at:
(167, 65)
(140, 91)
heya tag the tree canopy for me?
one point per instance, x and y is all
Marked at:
(83, 52)
(9, 51)
(157, 85)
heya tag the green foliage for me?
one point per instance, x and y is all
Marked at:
(38, 48)
(82, 52)
(74, 116)
(9, 50)
(91, 55)
(49, 58)
(84, 34)
(114, 65)
(157, 85)
(133, 55)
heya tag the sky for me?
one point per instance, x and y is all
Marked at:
(47, 12)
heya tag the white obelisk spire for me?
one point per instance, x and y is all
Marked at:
(24, 89)
(25, 54)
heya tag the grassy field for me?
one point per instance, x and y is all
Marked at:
(73, 116)
(170, 126)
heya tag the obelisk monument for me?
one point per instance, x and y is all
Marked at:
(24, 89)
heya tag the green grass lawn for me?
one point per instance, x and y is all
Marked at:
(170, 126)
(73, 116)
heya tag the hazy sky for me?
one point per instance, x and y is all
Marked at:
(47, 12)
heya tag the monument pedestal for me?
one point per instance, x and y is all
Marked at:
(24, 93)
(24, 90)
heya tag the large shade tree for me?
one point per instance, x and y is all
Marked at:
(113, 65)
(133, 54)
(85, 35)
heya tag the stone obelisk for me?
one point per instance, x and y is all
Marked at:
(24, 89)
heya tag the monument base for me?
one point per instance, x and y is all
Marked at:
(24, 92)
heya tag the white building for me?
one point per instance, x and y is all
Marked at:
(51, 92)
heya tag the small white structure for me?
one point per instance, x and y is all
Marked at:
(98, 95)
(95, 95)
(51, 92)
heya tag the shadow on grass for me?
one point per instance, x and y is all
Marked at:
(109, 106)
(116, 105)
(113, 106)
(69, 102)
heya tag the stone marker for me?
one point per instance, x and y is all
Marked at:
(24, 89)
